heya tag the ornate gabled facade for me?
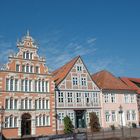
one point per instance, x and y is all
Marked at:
(116, 94)
(27, 93)
(76, 94)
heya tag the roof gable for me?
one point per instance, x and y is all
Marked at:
(60, 74)
(106, 80)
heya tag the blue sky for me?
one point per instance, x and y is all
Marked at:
(106, 33)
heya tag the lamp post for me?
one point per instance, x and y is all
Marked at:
(121, 112)
(2, 114)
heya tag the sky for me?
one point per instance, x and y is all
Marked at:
(106, 33)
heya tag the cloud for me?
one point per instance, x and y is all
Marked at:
(58, 51)
(113, 64)
(5, 50)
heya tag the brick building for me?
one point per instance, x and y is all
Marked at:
(26, 93)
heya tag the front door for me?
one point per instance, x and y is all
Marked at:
(80, 118)
(26, 124)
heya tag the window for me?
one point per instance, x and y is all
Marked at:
(43, 104)
(79, 68)
(22, 103)
(17, 67)
(27, 68)
(133, 115)
(126, 98)
(26, 103)
(37, 69)
(75, 81)
(30, 85)
(36, 104)
(40, 120)
(15, 104)
(24, 55)
(6, 104)
(39, 85)
(128, 115)
(31, 55)
(23, 68)
(61, 117)
(30, 103)
(47, 86)
(107, 116)
(71, 116)
(112, 98)
(31, 69)
(39, 106)
(87, 97)
(22, 85)
(11, 103)
(47, 120)
(69, 97)
(78, 97)
(113, 115)
(47, 104)
(44, 120)
(16, 84)
(11, 84)
(60, 97)
(36, 85)
(43, 86)
(26, 85)
(106, 97)
(83, 81)
(27, 55)
(95, 98)
(7, 84)
(11, 121)
(132, 98)
(15, 121)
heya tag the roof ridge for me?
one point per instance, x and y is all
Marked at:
(62, 72)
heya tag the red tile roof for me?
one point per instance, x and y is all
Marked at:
(131, 82)
(62, 72)
(107, 81)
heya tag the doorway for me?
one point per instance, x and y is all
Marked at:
(26, 124)
(80, 119)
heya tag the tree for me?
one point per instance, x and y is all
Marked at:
(68, 126)
(94, 122)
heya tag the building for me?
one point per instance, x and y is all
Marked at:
(76, 94)
(116, 95)
(27, 93)
(134, 83)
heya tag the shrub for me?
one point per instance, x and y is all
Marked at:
(134, 125)
(94, 122)
(112, 127)
(68, 127)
